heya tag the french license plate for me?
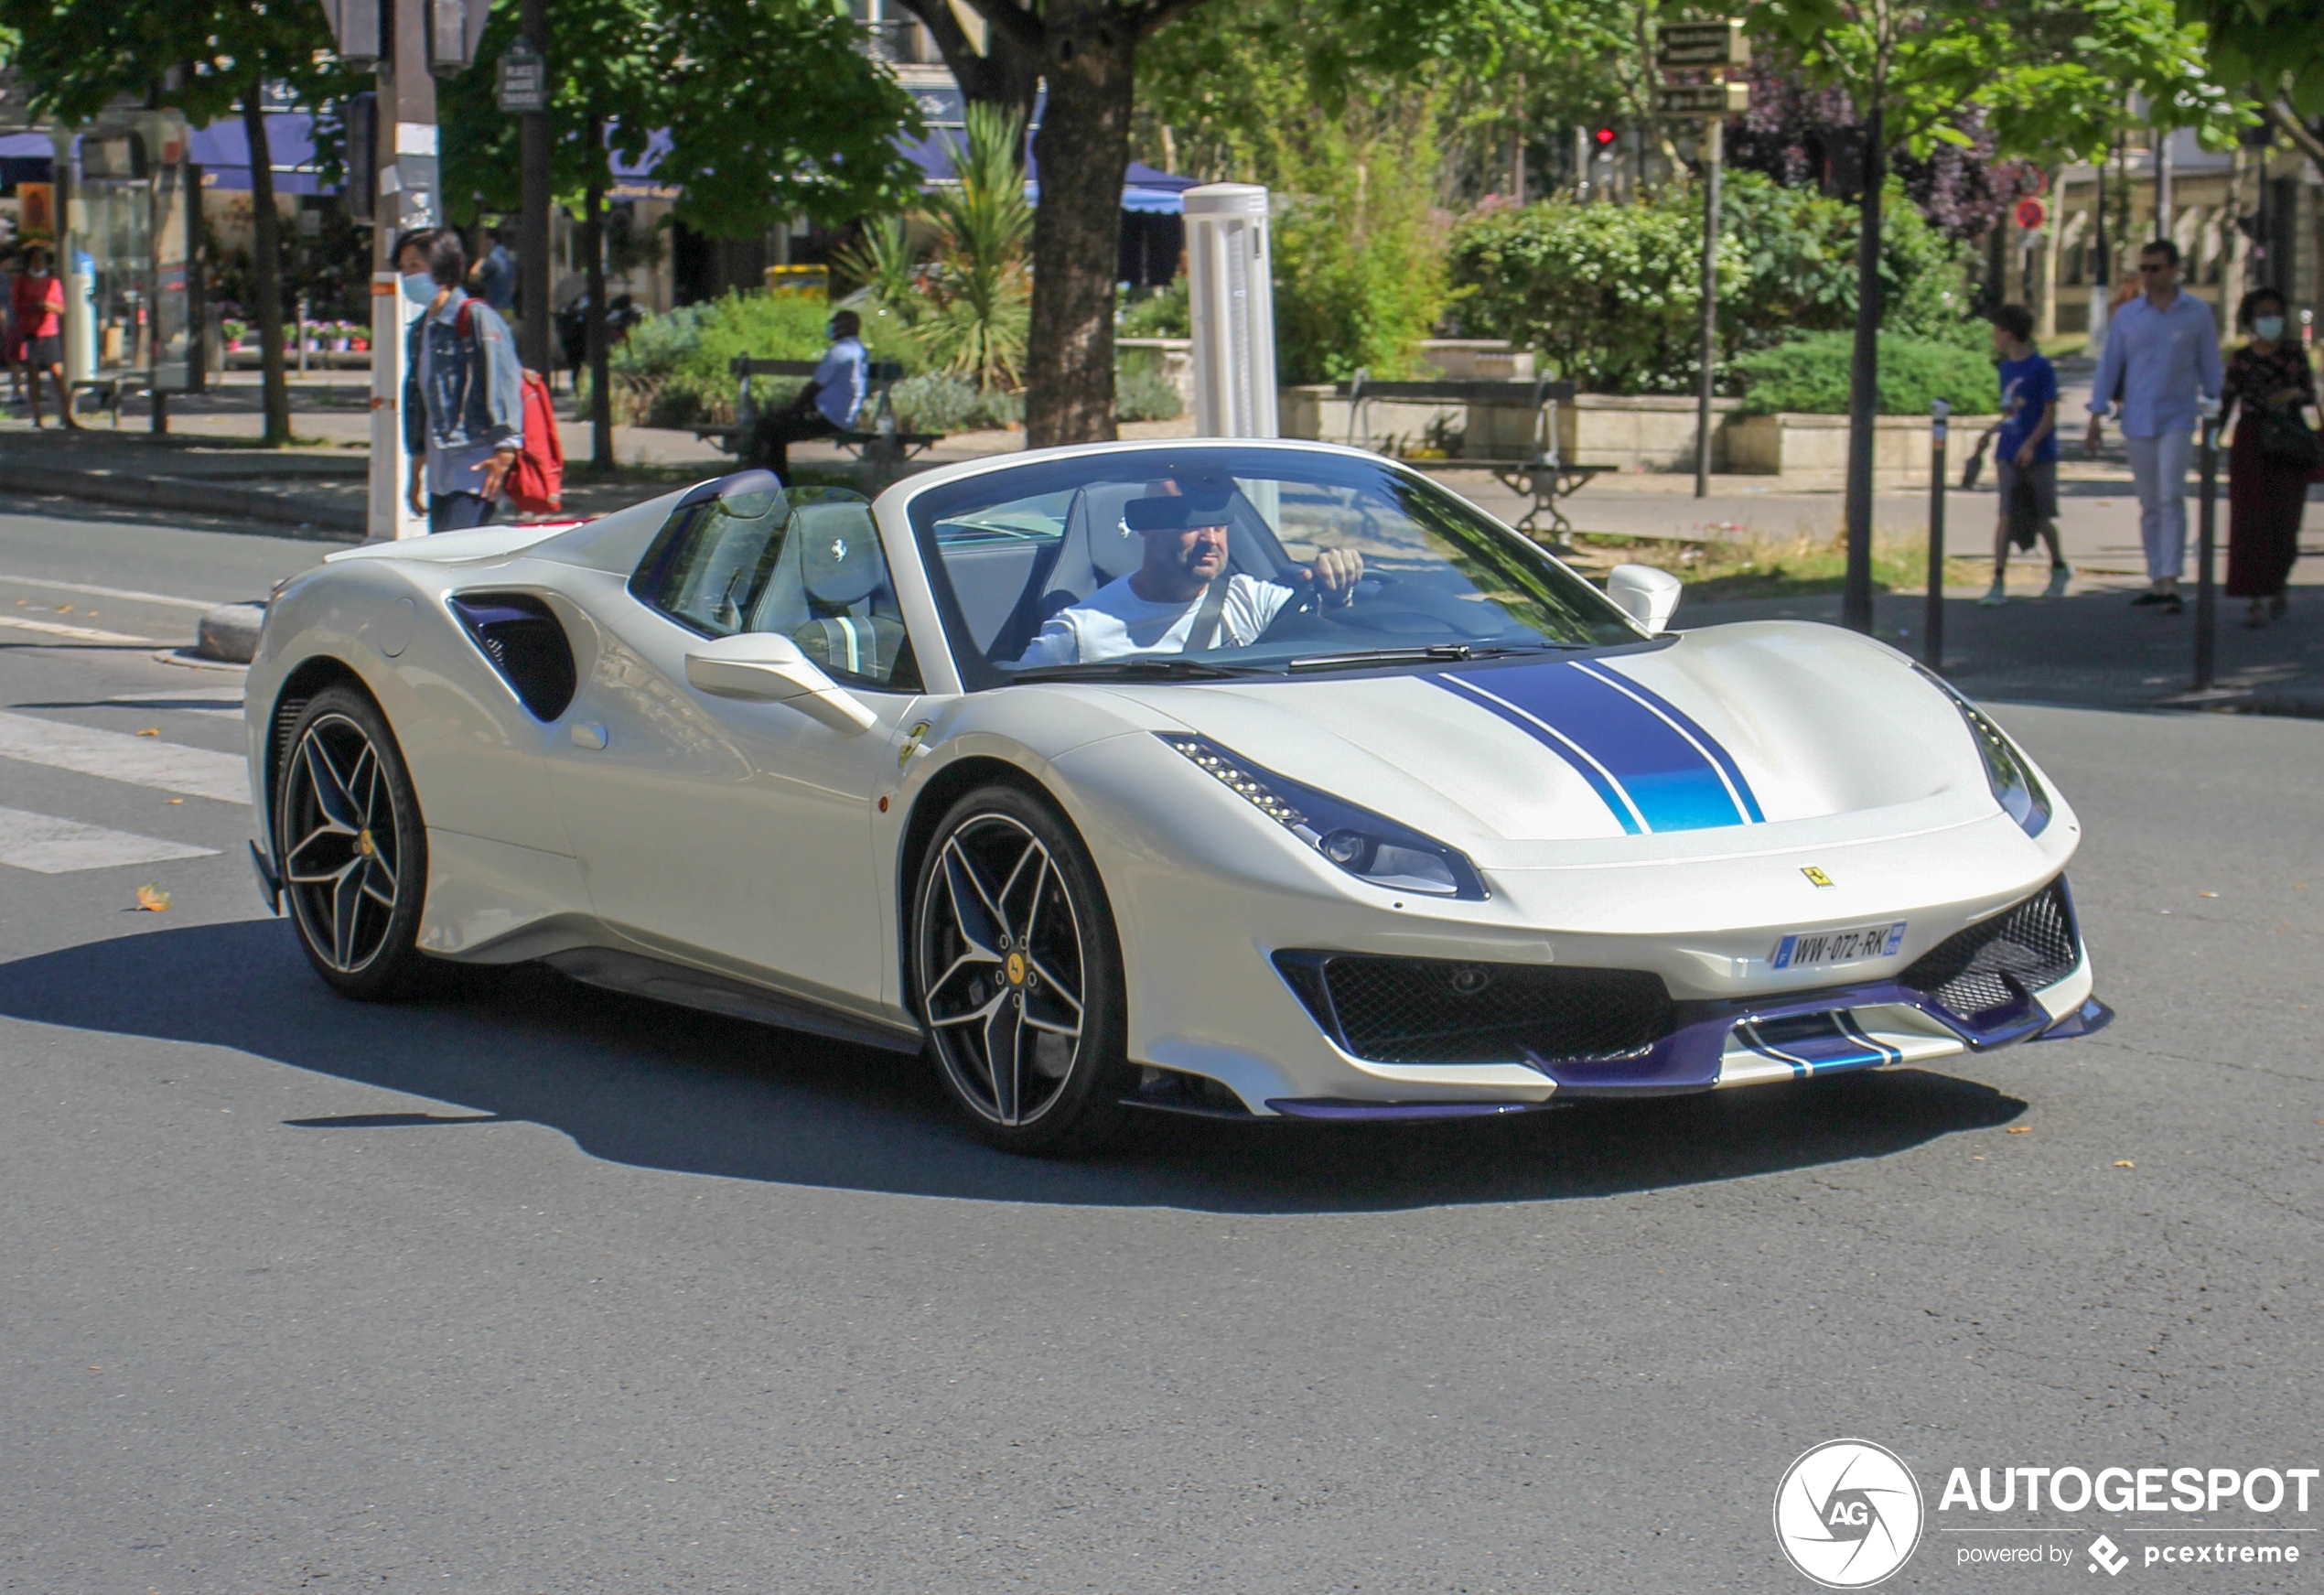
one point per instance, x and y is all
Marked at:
(1801, 948)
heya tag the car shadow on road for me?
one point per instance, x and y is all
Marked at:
(639, 1083)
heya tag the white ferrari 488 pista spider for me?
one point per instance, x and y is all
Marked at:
(1224, 777)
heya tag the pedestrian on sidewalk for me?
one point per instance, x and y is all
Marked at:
(2163, 348)
(2270, 379)
(2026, 454)
(827, 404)
(36, 325)
(463, 389)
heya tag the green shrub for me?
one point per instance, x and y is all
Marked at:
(1611, 294)
(1142, 392)
(948, 402)
(1811, 374)
(676, 370)
(1163, 313)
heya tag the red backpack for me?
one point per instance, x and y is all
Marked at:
(535, 484)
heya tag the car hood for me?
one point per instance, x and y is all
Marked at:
(1746, 737)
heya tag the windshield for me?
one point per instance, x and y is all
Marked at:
(1188, 563)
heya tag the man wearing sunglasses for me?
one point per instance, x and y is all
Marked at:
(2162, 351)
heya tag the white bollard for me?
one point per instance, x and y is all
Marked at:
(1231, 293)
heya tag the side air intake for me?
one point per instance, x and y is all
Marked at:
(522, 639)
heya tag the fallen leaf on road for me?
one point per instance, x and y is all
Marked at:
(2124, 1163)
(176, 800)
(153, 900)
(2021, 1129)
(64, 608)
(2207, 894)
(150, 731)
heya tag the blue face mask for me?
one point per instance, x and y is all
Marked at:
(419, 287)
(2267, 328)
(830, 330)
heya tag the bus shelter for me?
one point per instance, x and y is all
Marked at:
(126, 220)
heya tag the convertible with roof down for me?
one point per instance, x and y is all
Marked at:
(1250, 778)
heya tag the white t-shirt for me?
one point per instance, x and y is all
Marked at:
(1113, 622)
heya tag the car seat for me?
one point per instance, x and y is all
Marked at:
(830, 593)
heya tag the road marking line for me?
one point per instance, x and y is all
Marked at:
(49, 846)
(140, 760)
(128, 593)
(78, 633)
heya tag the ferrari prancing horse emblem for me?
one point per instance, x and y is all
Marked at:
(1816, 877)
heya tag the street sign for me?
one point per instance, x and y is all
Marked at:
(1703, 44)
(1703, 99)
(2031, 213)
(524, 79)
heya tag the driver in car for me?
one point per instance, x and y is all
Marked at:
(1174, 601)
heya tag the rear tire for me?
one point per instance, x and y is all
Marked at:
(1016, 975)
(350, 847)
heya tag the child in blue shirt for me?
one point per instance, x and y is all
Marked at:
(2026, 453)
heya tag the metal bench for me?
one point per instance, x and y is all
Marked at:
(881, 442)
(1543, 476)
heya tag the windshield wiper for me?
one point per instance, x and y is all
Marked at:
(1433, 653)
(1135, 670)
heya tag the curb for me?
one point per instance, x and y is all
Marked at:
(230, 632)
(172, 493)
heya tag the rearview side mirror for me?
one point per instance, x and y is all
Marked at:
(1645, 594)
(764, 668)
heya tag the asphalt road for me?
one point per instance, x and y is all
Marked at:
(534, 1289)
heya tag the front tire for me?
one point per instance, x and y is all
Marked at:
(1018, 975)
(351, 846)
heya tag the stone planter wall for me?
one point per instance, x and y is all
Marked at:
(1813, 450)
(1643, 434)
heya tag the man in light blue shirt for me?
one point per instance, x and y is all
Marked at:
(829, 404)
(2162, 349)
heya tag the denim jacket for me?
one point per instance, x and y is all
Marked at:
(475, 391)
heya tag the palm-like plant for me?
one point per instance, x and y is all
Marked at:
(978, 290)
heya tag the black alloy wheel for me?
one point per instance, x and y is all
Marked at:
(349, 845)
(1018, 977)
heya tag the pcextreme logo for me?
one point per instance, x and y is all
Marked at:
(1848, 1514)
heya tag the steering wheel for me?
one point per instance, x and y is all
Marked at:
(1307, 603)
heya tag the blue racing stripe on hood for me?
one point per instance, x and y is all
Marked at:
(1703, 740)
(1657, 762)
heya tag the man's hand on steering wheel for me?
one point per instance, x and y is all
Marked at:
(1337, 571)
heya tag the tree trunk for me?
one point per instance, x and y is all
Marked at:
(594, 324)
(1864, 379)
(267, 271)
(1084, 151)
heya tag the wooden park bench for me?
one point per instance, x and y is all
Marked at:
(1541, 474)
(881, 442)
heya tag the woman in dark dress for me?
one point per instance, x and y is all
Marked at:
(2264, 497)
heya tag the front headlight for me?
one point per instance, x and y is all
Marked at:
(1369, 846)
(2008, 772)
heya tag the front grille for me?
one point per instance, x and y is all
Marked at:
(1437, 1011)
(1991, 965)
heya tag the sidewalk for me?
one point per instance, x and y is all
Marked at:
(2090, 647)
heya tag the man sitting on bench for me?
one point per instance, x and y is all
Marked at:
(825, 406)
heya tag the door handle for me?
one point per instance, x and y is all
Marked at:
(587, 736)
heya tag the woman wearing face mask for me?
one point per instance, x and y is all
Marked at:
(2265, 495)
(463, 389)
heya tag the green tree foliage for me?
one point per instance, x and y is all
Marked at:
(1611, 294)
(1350, 151)
(772, 111)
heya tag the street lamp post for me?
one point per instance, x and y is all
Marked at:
(1933, 613)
